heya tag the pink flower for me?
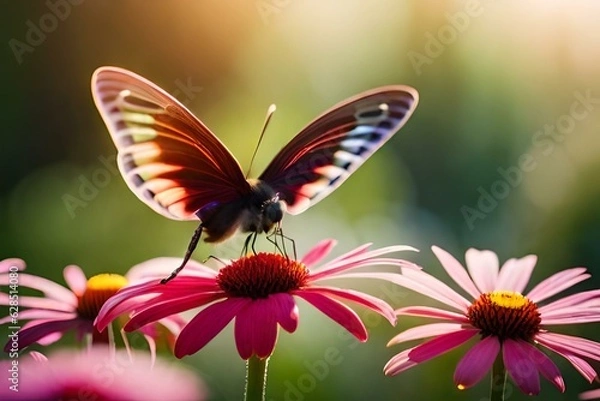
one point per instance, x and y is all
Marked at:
(61, 310)
(258, 291)
(501, 318)
(97, 374)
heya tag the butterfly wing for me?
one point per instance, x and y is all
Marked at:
(168, 157)
(324, 154)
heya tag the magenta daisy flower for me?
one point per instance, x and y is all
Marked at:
(62, 309)
(503, 320)
(97, 374)
(258, 291)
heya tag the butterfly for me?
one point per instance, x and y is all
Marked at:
(179, 168)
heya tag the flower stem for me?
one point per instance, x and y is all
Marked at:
(498, 385)
(256, 378)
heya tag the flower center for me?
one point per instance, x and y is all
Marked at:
(258, 276)
(98, 289)
(505, 314)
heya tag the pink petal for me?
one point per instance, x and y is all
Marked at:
(285, 311)
(477, 362)
(11, 265)
(158, 268)
(256, 329)
(544, 365)
(483, 268)
(435, 313)
(167, 308)
(441, 345)
(206, 325)
(75, 279)
(51, 338)
(110, 312)
(399, 363)
(173, 323)
(35, 331)
(578, 299)
(368, 301)
(515, 274)
(336, 267)
(431, 287)
(50, 289)
(40, 303)
(361, 250)
(244, 331)
(456, 271)
(590, 395)
(577, 345)
(318, 252)
(578, 363)
(520, 367)
(336, 311)
(425, 331)
(30, 314)
(146, 294)
(38, 356)
(151, 347)
(362, 275)
(557, 283)
(567, 317)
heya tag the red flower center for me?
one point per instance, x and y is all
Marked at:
(505, 314)
(258, 276)
(98, 289)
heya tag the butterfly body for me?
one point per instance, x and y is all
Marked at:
(180, 169)
(258, 211)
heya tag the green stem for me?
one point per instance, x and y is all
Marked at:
(498, 385)
(256, 379)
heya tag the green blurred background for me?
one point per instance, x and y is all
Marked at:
(501, 88)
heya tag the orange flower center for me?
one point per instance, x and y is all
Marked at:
(98, 289)
(505, 314)
(258, 276)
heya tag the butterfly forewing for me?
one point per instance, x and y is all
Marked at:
(324, 154)
(168, 157)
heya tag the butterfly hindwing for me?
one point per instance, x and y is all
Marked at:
(167, 157)
(324, 154)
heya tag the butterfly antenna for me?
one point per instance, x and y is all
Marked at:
(270, 112)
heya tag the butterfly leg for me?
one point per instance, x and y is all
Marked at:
(188, 254)
(250, 243)
(292, 242)
(221, 261)
(272, 238)
(282, 249)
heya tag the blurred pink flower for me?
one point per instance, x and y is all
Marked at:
(501, 318)
(97, 374)
(64, 309)
(258, 291)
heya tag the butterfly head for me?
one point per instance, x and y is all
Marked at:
(265, 208)
(272, 212)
